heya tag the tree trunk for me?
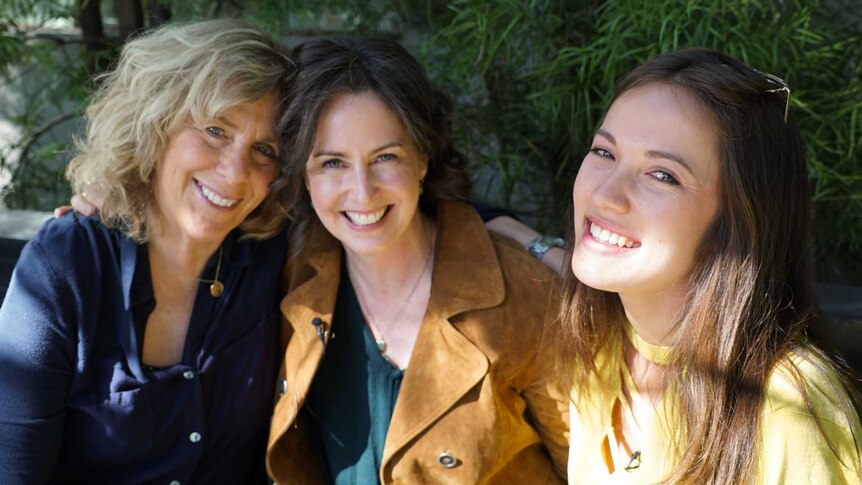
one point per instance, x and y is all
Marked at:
(130, 16)
(95, 44)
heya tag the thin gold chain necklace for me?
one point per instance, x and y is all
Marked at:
(216, 286)
(379, 336)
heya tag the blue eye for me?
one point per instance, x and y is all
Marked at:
(385, 157)
(331, 163)
(215, 131)
(664, 177)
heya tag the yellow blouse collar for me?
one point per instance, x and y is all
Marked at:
(658, 354)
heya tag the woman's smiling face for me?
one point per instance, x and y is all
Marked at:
(646, 193)
(363, 174)
(212, 175)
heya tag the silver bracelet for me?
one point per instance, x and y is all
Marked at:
(540, 245)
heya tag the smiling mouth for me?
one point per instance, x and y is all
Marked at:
(214, 198)
(610, 237)
(366, 218)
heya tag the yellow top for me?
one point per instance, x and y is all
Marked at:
(792, 448)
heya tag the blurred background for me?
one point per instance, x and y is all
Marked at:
(530, 79)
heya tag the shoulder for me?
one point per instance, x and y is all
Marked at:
(74, 232)
(515, 259)
(803, 376)
(68, 254)
(809, 423)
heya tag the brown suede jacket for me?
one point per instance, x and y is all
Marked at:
(478, 403)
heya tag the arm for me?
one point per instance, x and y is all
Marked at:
(554, 258)
(36, 365)
(547, 404)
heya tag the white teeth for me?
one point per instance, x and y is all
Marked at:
(609, 237)
(361, 219)
(215, 199)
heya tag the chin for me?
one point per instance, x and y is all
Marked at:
(596, 278)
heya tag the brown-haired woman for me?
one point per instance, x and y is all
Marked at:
(414, 337)
(685, 316)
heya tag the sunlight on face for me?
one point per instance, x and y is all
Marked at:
(213, 175)
(646, 193)
(363, 174)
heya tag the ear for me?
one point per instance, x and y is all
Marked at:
(423, 167)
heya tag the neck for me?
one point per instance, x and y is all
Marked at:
(390, 271)
(184, 258)
(653, 317)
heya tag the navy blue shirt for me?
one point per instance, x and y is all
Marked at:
(76, 403)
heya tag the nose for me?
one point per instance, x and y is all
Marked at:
(233, 164)
(613, 189)
(364, 183)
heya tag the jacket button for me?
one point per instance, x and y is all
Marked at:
(282, 386)
(447, 460)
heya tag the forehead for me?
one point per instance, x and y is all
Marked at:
(362, 116)
(659, 117)
(264, 108)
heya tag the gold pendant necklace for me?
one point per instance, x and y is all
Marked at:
(216, 286)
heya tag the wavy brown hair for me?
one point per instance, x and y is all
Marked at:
(751, 297)
(328, 67)
(191, 71)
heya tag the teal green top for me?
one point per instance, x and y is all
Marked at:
(353, 395)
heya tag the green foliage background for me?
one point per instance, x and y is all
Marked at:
(532, 79)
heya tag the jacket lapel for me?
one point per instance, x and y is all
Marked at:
(311, 281)
(445, 365)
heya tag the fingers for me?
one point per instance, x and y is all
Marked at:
(82, 205)
(60, 211)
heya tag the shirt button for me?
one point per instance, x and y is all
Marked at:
(282, 386)
(195, 437)
(189, 374)
(447, 460)
(175, 482)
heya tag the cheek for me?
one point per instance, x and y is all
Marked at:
(266, 177)
(319, 192)
(581, 189)
(402, 181)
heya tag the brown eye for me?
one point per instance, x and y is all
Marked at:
(266, 150)
(602, 153)
(664, 177)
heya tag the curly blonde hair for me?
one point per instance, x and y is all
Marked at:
(193, 71)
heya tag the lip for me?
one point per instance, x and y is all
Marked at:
(597, 245)
(199, 188)
(368, 227)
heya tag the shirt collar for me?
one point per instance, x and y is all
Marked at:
(135, 268)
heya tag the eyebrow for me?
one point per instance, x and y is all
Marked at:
(329, 153)
(652, 153)
(229, 124)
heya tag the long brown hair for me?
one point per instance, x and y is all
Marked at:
(751, 297)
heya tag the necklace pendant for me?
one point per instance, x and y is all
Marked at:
(635, 462)
(381, 345)
(216, 289)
